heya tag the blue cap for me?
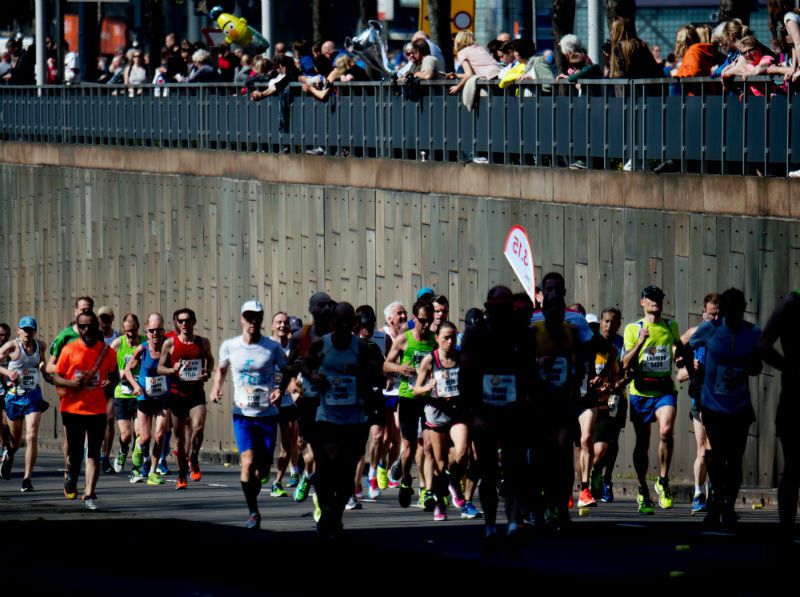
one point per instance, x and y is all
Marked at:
(27, 322)
(424, 292)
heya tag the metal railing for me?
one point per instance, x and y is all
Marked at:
(691, 125)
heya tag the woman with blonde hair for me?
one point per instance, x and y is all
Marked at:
(475, 60)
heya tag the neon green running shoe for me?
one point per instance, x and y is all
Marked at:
(278, 490)
(154, 479)
(664, 495)
(137, 458)
(383, 478)
(645, 504)
(301, 493)
(317, 509)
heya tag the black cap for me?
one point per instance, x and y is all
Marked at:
(654, 293)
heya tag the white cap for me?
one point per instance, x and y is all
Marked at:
(253, 307)
(592, 318)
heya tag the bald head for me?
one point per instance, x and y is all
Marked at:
(328, 49)
(344, 318)
(503, 37)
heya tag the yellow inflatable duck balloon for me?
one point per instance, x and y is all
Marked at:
(236, 30)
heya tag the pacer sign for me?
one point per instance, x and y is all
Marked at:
(520, 255)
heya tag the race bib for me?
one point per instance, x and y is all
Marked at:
(557, 374)
(92, 383)
(730, 381)
(29, 379)
(499, 389)
(613, 405)
(656, 359)
(251, 397)
(446, 382)
(155, 386)
(416, 361)
(309, 389)
(342, 391)
(191, 370)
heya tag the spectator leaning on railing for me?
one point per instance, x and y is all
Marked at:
(475, 60)
(784, 23)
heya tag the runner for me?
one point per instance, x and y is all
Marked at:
(321, 307)
(376, 414)
(5, 334)
(784, 324)
(256, 362)
(188, 360)
(695, 377)
(125, 403)
(342, 366)
(106, 316)
(553, 285)
(650, 345)
(445, 417)
(404, 358)
(287, 415)
(560, 364)
(497, 368)
(151, 391)
(731, 355)
(389, 477)
(24, 358)
(84, 369)
(612, 409)
(83, 304)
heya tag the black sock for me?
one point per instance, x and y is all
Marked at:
(251, 490)
(663, 480)
(123, 448)
(584, 486)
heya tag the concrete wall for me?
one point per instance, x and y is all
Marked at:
(145, 230)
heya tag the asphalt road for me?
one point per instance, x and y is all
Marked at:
(156, 540)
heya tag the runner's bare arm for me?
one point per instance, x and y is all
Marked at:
(425, 381)
(132, 364)
(209, 360)
(166, 353)
(219, 380)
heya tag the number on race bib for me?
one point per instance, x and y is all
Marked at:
(499, 389)
(29, 379)
(446, 382)
(342, 391)
(155, 386)
(656, 359)
(730, 381)
(191, 370)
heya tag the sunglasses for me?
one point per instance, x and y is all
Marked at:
(184, 321)
(423, 321)
(85, 326)
(156, 331)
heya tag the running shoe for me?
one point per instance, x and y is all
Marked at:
(596, 483)
(664, 495)
(646, 505)
(162, 468)
(253, 521)
(317, 509)
(373, 491)
(194, 468)
(278, 490)
(137, 458)
(264, 480)
(404, 496)
(698, 503)
(70, 487)
(301, 493)
(27, 485)
(439, 513)
(89, 502)
(136, 476)
(428, 500)
(353, 503)
(457, 496)
(119, 462)
(570, 502)
(469, 511)
(585, 499)
(294, 479)
(181, 482)
(383, 477)
(105, 466)
(154, 479)
(393, 484)
(608, 492)
(396, 472)
(5, 466)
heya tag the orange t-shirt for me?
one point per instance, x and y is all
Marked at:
(74, 361)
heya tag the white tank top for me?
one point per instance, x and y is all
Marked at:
(27, 366)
